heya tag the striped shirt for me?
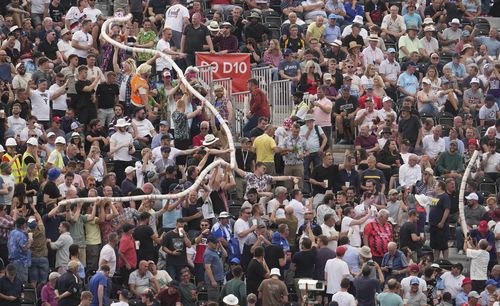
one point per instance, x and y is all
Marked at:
(378, 237)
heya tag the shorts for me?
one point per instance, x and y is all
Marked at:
(439, 237)
(39, 269)
(137, 17)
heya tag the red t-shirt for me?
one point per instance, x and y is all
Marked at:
(198, 140)
(376, 101)
(127, 247)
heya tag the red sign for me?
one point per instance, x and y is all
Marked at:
(235, 66)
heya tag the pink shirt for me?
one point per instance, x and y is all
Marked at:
(48, 295)
(322, 118)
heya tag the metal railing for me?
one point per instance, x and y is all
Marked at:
(205, 75)
(280, 101)
(264, 76)
(227, 83)
(240, 101)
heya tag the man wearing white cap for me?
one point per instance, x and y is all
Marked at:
(55, 158)
(451, 36)
(273, 291)
(473, 213)
(474, 97)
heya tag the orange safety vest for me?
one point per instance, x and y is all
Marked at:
(136, 84)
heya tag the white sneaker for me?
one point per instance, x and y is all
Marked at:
(461, 252)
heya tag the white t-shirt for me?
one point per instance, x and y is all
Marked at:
(92, 13)
(360, 210)
(486, 113)
(58, 103)
(74, 14)
(240, 226)
(271, 205)
(452, 284)
(493, 162)
(144, 127)
(16, 124)
(298, 211)
(8, 181)
(63, 188)
(497, 231)
(478, 264)
(162, 63)
(118, 139)
(329, 232)
(82, 39)
(336, 270)
(38, 6)
(344, 299)
(40, 104)
(352, 231)
(174, 17)
(108, 254)
(405, 284)
(95, 72)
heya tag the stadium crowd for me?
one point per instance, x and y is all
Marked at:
(410, 90)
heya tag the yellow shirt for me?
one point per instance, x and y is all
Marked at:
(316, 32)
(264, 148)
(411, 45)
(92, 233)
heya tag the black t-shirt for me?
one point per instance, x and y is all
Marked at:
(96, 133)
(337, 79)
(84, 98)
(454, 202)
(68, 282)
(405, 235)
(304, 263)
(195, 38)
(165, 184)
(350, 37)
(376, 11)
(173, 242)
(408, 128)
(320, 174)
(255, 275)
(106, 94)
(158, 6)
(143, 234)
(55, 12)
(245, 160)
(52, 190)
(349, 106)
(192, 210)
(430, 11)
(322, 256)
(340, 56)
(273, 253)
(49, 49)
(365, 290)
(294, 44)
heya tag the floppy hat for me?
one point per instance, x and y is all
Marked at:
(230, 299)
(209, 139)
(213, 26)
(121, 123)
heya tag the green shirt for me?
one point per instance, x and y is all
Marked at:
(449, 162)
(237, 287)
(389, 299)
(186, 294)
(142, 39)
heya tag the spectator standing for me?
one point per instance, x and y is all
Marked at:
(19, 249)
(335, 270)
(273, 291)
(259, 106)
(438, 221)
(194, 36)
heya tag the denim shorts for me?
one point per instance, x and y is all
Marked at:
(21, 271)
(39, 270)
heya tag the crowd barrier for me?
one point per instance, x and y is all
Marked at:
(205, 76)
(264, 76)
(282, 103)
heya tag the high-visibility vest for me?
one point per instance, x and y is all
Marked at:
(24, 165)
(59, 163)
(16, 167)
(136, 84)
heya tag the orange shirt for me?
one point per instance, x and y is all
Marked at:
(139, 86)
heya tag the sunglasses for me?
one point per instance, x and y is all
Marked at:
(204, 225)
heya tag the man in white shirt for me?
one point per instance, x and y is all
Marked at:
(58, 96)
(364, 117)
(144, 129)
(64, 44)
(82, 42)
(479, 259)
(491, 161)
(335, 270)
(75, 15)
(15, 122)
(163, 45)
(21, 79)
(389, 69)
(92, 13)
(393, 25)
(350, 226)
(373, 54)
(67, 184)
(405, 282)
(434, 144)
(410, 172)
(176, 18)
(40, 102)
(241, 227)
(348, 29)
(429, 43)
(121, 147)
(328, 229)
(342, 297)
(452, 280)
(298, 208)
(387, 108)
(107, 255)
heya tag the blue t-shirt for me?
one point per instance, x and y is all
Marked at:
(408, 82)
(98, 279)
(414, 19)
(170, 217)
(438, 206)
(290, 68)
(214, 259)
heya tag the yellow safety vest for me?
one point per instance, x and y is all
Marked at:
(24, 164)
(16, 167)
(59, 163)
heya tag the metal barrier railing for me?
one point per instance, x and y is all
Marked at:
(205, 75)
(264, 76)
(280, 101)
(240, 101)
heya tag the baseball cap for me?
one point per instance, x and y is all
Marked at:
(50, 134)
(211, 239)
(125, 293)
(491, 282)
(466, 281)
(56, 119)
(75, 125)
(414, 268)
(164, 122)
(60, 140)
(474, 80)
(472, 196)
(275, 271)
(472, 141)
(287, 52)
(393, 191)
(129, 169)
(473, 294)
(340, 251)
(414, 281)
(391, 50)
(332, 16)
(483, 226)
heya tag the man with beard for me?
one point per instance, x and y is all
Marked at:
(144, 129)
(21, 79)
(96, 134)
(450, 163)
(118, 109)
